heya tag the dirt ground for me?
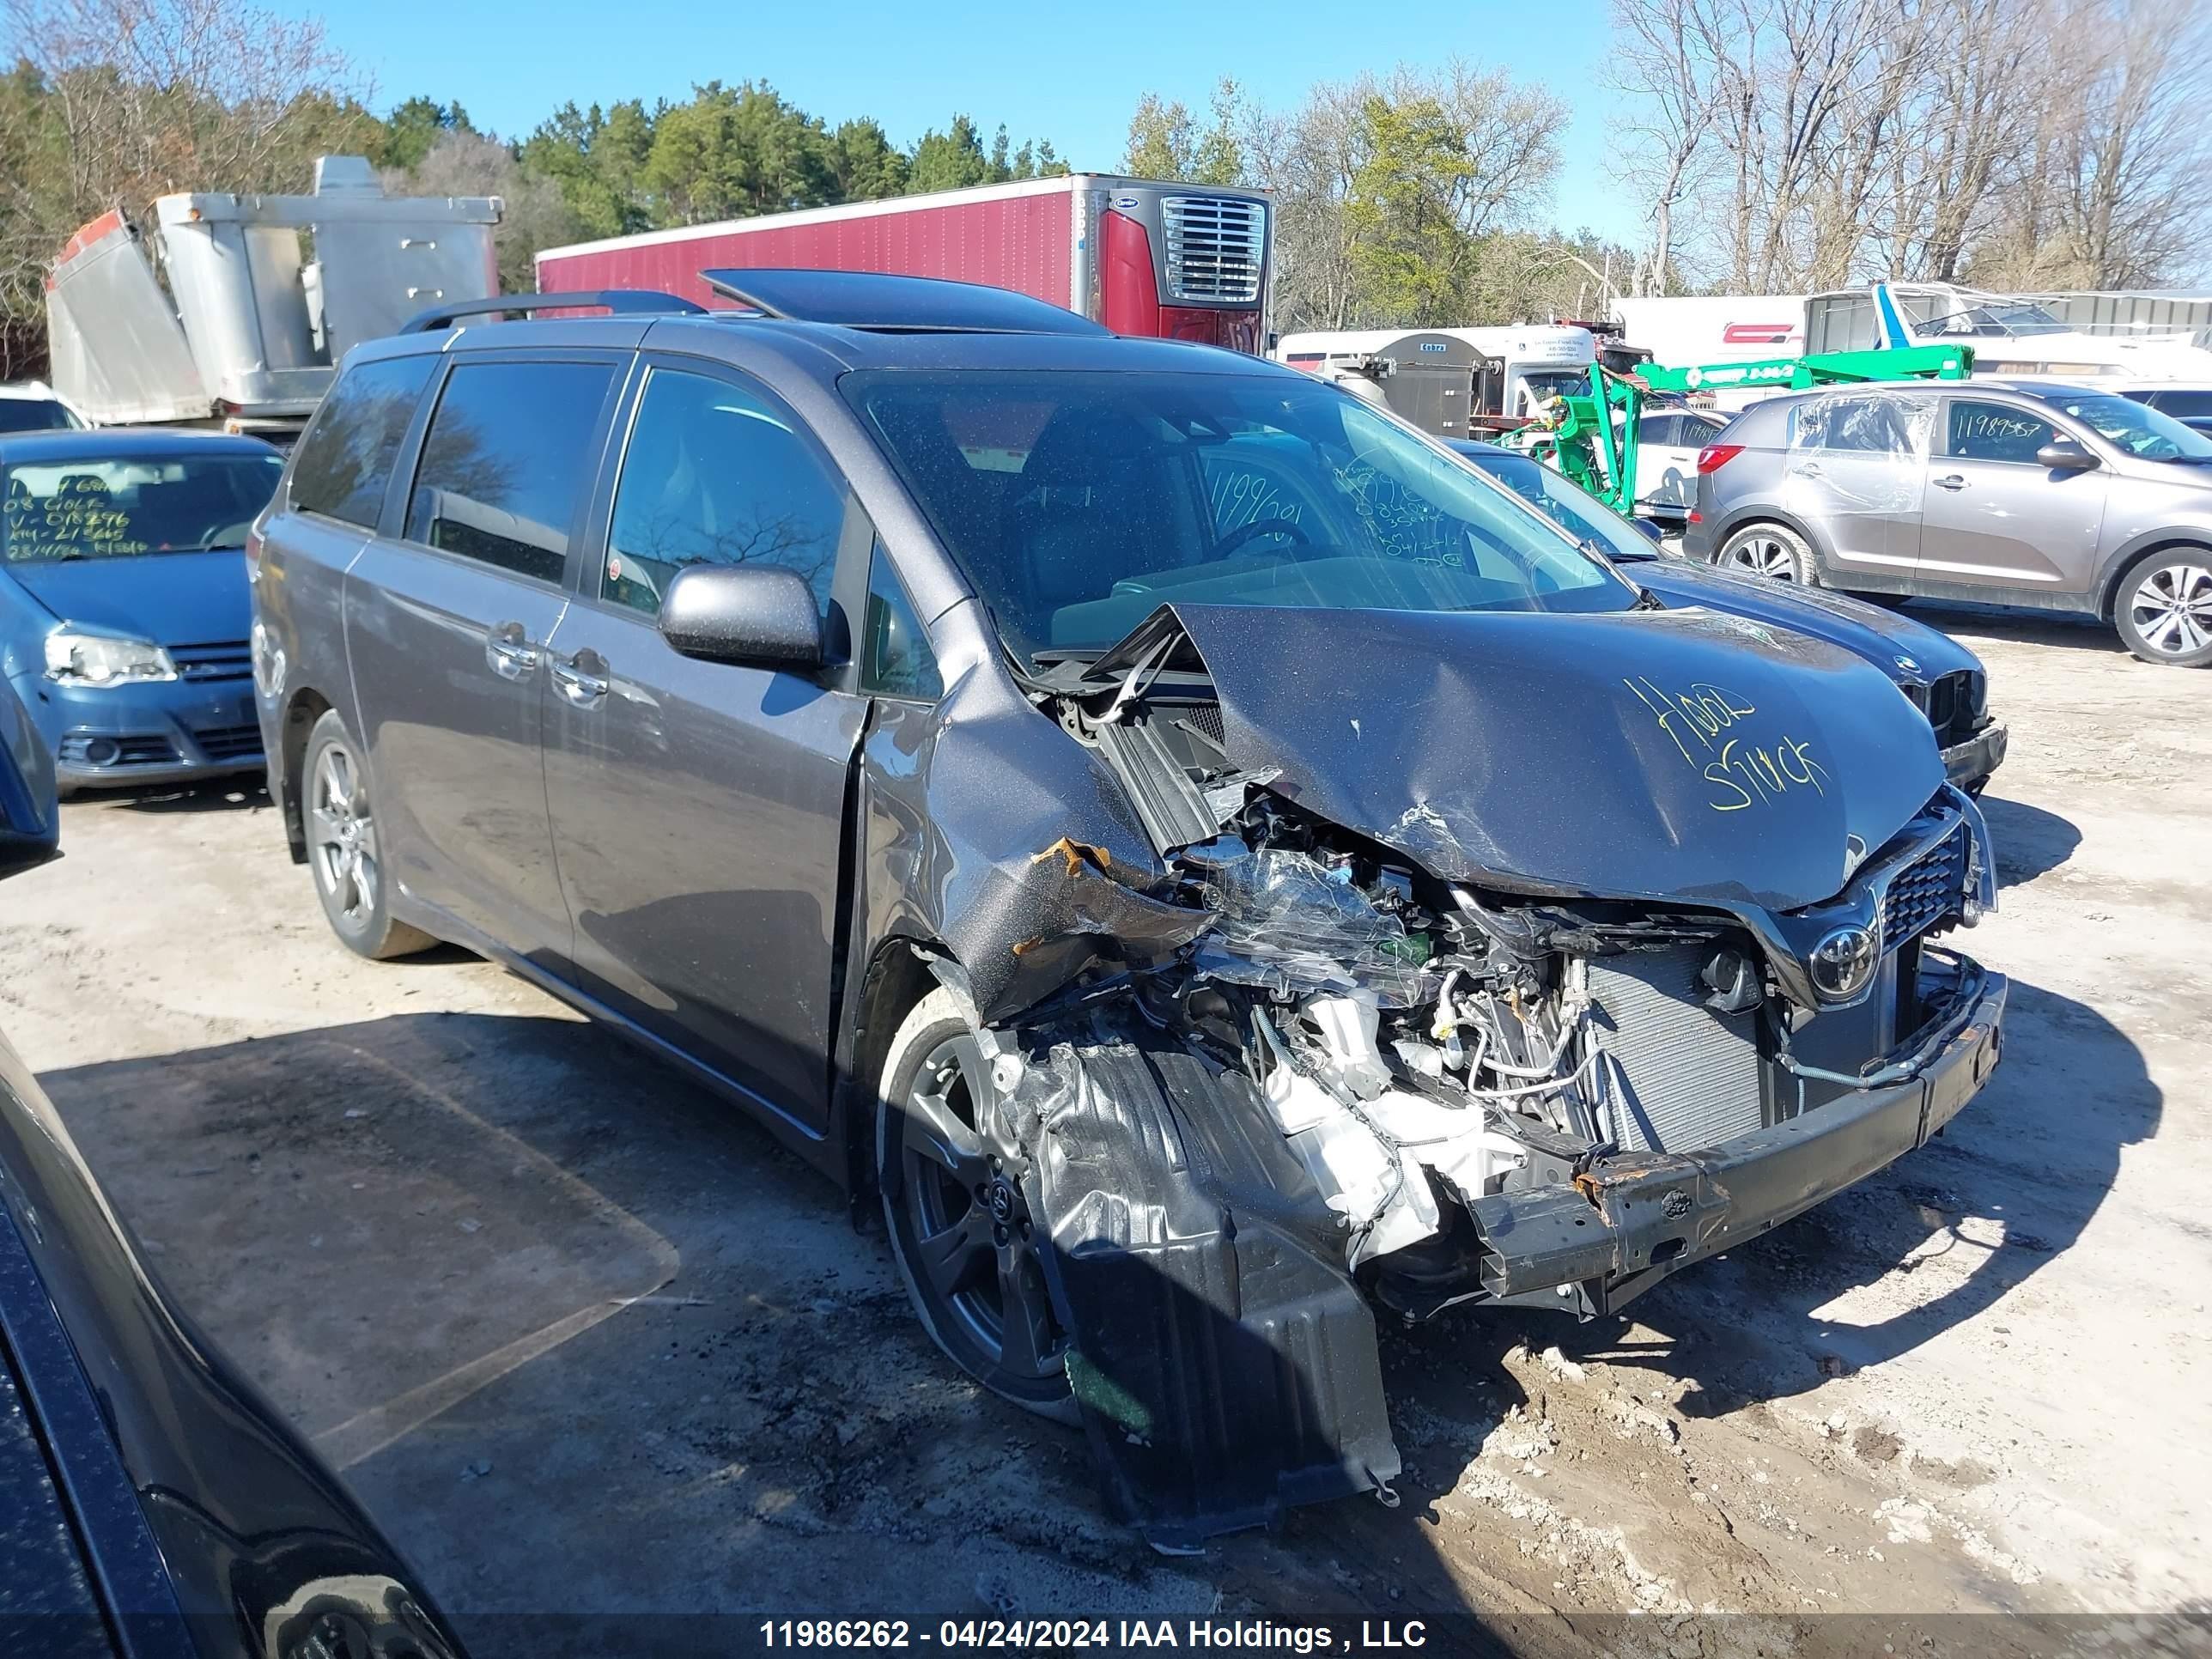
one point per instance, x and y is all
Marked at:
(587, 1343)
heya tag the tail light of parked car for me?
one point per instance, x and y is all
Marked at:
(253, 543)
(1713, 457)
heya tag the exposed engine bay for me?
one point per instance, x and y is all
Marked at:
(1302, 1075)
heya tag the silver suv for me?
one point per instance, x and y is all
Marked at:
(2014, 492)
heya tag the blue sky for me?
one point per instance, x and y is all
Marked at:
(912, 65)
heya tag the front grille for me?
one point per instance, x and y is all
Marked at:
(1950, 707)
(212, 662)
(228, 742)
(1926, 893)
(1679, 1078)
(1216, 244)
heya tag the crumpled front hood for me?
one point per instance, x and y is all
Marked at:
(171, 598)
(1883, 637)
(1683, 756)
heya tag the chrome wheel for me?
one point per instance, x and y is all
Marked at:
(968, 1236)
(2171, 610)
(342, 837)
(1761, 554)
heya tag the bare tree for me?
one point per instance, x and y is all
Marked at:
(1664, 59)
(536, 214)
(1814, 142)
(114, 102)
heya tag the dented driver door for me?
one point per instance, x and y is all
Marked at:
(698, 807)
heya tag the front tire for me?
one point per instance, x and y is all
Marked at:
(970, 1254)
(1769, 550)
(344, 850)
(2164, 610)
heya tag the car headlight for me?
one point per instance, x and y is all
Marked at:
(1843, 962)
(76, 658)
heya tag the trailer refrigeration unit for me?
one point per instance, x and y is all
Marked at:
(1182, 262)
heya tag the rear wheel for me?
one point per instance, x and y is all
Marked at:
(2164, 613)
(343, 847)
(1769, 550)
(971, 1255)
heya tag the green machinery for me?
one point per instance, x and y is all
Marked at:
(1591, 435)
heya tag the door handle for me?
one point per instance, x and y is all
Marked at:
(1810, 470)
(509, 651)
(1954, 482)
(582, 678)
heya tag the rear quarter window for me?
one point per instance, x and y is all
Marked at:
(346, 457)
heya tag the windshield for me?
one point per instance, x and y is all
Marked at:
(2142, 432)
(1561, 500)
(36, 415)
(1079, 503)
(1999, 317)
(112, 506)
(1540, 386)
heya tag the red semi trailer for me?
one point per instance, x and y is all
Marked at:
(1183, 262)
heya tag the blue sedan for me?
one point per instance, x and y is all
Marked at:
(1943, 679)
(123, 601)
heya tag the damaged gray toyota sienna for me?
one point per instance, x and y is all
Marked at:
(1208, 863)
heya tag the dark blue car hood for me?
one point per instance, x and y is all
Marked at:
(1883, 637)
(171, 598)
(1686, 755)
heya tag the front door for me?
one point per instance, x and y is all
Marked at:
(1993, 517)
(698, 808)
(448, 628)
(1852, 473)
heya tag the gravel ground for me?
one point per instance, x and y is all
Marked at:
(587, 1344)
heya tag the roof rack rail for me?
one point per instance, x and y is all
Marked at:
(621, 301)
(881, 301)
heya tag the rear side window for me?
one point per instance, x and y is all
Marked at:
(1878, 425)
(1995, 432)
(507, 460)
(345, 458)
(715, 475)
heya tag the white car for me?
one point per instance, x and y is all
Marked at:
(1668, 440)
(35, 406)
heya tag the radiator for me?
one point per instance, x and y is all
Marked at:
(1679, 1078)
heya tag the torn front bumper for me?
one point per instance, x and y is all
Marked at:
(1971, 763)
(1634, 1218)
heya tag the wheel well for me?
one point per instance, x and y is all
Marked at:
(1770, 519)
(306, 706)
(2108, 605)
(899, 978)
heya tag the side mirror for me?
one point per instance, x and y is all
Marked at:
(1650, 529)
(30, 815)
(2064, 455)
(760, 615)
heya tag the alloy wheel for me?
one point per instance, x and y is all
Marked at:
(344, 836)
(2171, 608)
(1761, 556)
(975, 1254)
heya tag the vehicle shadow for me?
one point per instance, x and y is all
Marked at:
(2029, 627)
(246, 793)
(533, 1295)
(1916, 1250)
(2030, 841)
